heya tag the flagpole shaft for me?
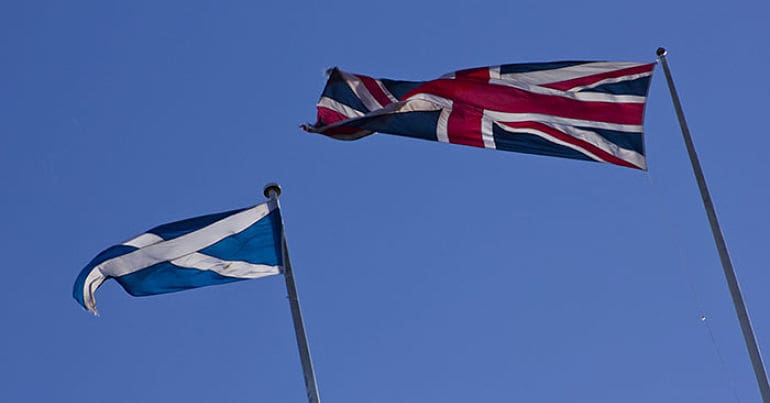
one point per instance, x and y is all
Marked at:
(299, 329)
(727, 266)
(272, 191)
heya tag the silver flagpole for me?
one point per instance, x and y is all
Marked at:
(727, 265)
(272, 191)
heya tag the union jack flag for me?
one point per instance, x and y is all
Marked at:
(582, 110)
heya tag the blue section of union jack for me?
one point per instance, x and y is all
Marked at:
(582, 110)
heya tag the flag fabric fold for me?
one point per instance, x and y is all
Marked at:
(197, 252)
(580, 110)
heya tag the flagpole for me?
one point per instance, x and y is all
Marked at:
(272, 191)
(727, 265)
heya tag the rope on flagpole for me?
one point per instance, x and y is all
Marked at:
(666, 218)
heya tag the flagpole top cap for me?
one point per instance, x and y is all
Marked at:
(661, 51)
(272, 188)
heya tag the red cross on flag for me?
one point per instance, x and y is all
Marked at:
(581, 110)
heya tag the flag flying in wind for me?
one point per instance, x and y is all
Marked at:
(582, 110)
(197, 252)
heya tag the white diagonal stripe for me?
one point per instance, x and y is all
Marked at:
(603, 144)
(185, 244)
(589, 137)
(417, 103)
(579, 96)
(143, 240)
(612, 81)
(390, 96)
(544, 118)
(94, 279)
(227, 268)
(327, 102)
(541, 77)
(550, 138)
(358, 87)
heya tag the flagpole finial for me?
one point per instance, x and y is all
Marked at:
(271, 190)
(661, 51)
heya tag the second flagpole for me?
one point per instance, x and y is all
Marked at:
(272, 191)
(727, 265)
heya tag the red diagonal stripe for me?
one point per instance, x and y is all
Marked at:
(605, 156)
(328, 116)
(375, 90)
(588, 80)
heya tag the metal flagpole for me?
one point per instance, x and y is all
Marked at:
(272, 191)
(727, 266)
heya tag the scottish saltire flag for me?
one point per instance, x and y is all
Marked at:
(582, 110)
(197, 252)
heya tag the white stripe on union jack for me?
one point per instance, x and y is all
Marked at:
(582, 110)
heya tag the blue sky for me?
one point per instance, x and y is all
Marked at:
(427, 272)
